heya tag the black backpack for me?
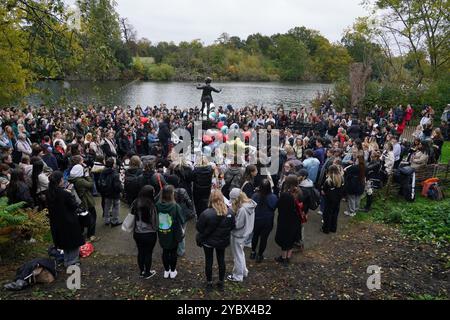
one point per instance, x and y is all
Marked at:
(226, 189)
(105, 183)
(314, 199)
(132, 186)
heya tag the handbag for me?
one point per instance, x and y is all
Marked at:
(128, 223)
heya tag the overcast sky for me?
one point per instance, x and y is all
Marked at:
(186, 20)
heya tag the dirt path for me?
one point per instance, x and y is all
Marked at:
(116, 242)
(332, 267)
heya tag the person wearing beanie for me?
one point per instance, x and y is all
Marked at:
(83, 183)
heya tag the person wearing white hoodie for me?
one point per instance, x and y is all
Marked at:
(244, 210)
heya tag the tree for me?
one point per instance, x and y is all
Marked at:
(101, 39)
(424, 25)
(293, 58)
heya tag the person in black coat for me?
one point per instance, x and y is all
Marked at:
(18, 190)
(202, 186)
(374, 176)
(355, 183)
(288, 225)
(354, 131)
(333, 192)
(214, 227)
(207, 99)
(164, 136)
(64, 221)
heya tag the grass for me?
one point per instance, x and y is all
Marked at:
(423, 220)
(445, 158)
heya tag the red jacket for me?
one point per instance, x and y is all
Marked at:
(409, 114)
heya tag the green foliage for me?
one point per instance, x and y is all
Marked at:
(423, 220)
(11, 215)
(445, 158)
(293, 58)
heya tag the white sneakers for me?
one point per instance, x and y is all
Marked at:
(170, 274)
(349, 214)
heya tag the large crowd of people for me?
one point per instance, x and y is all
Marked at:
(62, 159)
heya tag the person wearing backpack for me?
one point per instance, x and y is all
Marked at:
(83, 183)
(145, 230)
(187, 208)
(244, 210)
(133, 179)
(233, 177)
(310, 198)
(214, 227)
(170, 232)
(111, 188)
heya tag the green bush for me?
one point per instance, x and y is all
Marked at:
(424, 220)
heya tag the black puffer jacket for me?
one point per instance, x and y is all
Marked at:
(202, 178)
(164, 133)
(353, 184)
(354, 131)
(214, 231)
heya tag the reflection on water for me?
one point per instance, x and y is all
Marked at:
(180, 94)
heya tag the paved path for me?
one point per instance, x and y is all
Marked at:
(117, 242)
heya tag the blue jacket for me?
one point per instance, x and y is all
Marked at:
(265, 211)
(312, 166)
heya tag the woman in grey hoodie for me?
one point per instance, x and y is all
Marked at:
(244, 209)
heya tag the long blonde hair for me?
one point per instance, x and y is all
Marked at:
(239, 201)
(335, 176)
(216, 202)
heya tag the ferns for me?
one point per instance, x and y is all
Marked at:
(11, 215)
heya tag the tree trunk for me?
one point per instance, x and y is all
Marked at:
(359, 74)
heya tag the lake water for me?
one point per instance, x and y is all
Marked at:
(180, 94)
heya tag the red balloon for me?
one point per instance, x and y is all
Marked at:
(144, 120)
(225, 138)
(207, 139)
(220, 125)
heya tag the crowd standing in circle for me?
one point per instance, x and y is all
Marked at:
(62, 158)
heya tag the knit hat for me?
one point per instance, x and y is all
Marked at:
(77, 171)
(235, 193)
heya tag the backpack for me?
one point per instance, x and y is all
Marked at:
(188, 213)
(435, 192)
(102, 183)
(132, 186)
(314, 199)
(226, 189)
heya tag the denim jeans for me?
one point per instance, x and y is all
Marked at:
(112, 207)
(71, 257)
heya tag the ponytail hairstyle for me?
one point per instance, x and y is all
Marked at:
(335, 176)
(362, 168)
(38, 167)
